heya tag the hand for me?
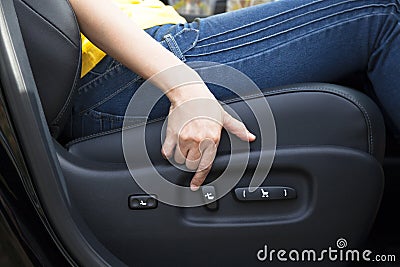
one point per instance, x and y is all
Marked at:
(194, 131)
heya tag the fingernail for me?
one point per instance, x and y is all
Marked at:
(251, 136)
(194, 187)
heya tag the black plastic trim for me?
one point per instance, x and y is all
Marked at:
(37, 145)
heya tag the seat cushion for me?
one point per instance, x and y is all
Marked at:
(313, 114)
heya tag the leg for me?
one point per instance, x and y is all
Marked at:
(303, 41)
(283, 42)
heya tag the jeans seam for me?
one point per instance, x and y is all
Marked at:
(291, 19)
(283, 43)
(173, 46)
(99, 115)
(279, 14)
(194, 43)
(121, 89)
(109, 66)
(381, 41)
(261, 20)
(86, 85)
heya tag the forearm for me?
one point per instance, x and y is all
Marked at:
(113, 32)
(192, 134)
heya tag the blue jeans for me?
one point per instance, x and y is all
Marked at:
(283, 42)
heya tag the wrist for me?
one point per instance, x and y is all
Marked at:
(187, 92)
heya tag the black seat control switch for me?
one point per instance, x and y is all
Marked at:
(265, 193)
(141, 202)
(209, 197)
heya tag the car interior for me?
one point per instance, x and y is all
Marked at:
(334, 155)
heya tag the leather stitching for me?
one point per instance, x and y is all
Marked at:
(66, 105)
(51, 24)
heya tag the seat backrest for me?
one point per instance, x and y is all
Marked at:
(52, 40)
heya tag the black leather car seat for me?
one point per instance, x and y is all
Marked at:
(330, 143)
(52, 40)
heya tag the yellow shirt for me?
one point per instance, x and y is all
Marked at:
(145, 13)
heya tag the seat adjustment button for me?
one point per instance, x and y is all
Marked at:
(265, 193)
(209, 197)
(140, 202)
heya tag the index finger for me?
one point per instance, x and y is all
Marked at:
(204, 167)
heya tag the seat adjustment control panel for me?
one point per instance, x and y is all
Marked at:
(265, 193)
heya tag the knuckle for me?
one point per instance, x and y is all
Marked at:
(185, 137)
(216, 138)
(198, 139)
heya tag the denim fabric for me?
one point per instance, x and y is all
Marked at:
(283, 42)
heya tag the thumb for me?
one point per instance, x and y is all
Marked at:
(236, 127)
